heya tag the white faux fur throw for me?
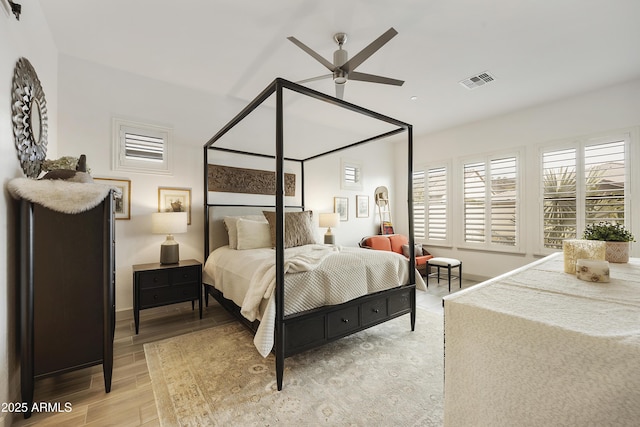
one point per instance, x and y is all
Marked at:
(61, 196)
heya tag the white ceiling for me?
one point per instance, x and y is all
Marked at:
(538, 50)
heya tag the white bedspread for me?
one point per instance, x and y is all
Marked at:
(318, 275)
(540, 347)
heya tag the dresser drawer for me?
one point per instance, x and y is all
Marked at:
(373, 311)
(153, 279)
(342, 321)
(185, 275)
(168, 295)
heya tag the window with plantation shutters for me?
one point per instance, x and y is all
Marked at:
(140, 147)
(351, 175)
(491, 208)
(583, 183)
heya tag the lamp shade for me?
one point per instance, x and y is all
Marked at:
(329, 220)
(168, 222)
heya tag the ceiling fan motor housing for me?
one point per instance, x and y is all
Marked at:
(339, 58)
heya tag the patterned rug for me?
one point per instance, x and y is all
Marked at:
(384, 376)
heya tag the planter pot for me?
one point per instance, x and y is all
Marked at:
(617, 252)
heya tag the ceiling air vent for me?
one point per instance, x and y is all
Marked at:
(477, 80)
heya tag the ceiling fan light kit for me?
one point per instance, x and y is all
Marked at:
(343, 69)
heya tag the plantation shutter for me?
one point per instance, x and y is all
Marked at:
(143, 147)
(503, 201)
(474, 202)
(418, 204)
(604, 181)
(437, 203)
(559, 196)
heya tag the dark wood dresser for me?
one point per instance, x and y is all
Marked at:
(67, 292)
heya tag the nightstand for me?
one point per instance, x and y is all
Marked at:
(158, 284)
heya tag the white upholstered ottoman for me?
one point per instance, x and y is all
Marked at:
(449, 263)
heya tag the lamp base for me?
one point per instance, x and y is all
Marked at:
(329, 239)
(169, 252)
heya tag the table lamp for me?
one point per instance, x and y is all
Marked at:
(329, 220)
(169, 223)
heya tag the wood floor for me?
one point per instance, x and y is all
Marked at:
(131, 401)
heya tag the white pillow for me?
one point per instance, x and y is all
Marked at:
(230, 225)
(253, 234)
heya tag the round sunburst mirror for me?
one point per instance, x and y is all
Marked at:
(29, 109)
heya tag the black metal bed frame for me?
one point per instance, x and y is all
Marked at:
(277, 87)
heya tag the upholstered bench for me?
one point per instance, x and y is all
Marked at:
(449, 263)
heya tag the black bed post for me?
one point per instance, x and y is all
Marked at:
(412, 255)
(279, 338)
(206, 203)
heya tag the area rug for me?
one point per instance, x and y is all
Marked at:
(384, 376)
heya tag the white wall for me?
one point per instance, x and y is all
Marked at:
(323, 184)
(29, 38)
(91, 94)
(612, 108)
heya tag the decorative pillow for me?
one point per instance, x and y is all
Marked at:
(379, 243)
(418, 251)
(230, 225)
(298, 228)
(253, 234)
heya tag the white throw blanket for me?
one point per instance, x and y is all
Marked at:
(296, 260)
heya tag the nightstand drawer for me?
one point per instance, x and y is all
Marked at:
(185, 275)
(153, 279)
(168, 295)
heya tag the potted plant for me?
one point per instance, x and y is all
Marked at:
(617, 237)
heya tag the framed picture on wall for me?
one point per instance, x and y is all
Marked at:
(362, 206)
(341, 206)
(171, 199)
(122, 202)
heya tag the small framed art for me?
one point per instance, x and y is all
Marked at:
(362, 206)
(122, 203)
(341, 206)
(171, 199)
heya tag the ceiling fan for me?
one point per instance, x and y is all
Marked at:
(343, 69)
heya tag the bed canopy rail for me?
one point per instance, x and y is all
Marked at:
(278, 154)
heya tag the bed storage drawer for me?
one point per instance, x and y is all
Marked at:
(342, 321)
(304, 333)
(400, 302)
(374, 311)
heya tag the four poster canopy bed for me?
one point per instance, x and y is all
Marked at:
(263, 263)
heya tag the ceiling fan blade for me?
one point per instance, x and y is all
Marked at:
(311, 52)
(340, 90)
(361, 56)
(313, 79)
(364, 77)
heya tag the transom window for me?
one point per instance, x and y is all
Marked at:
(140, 147)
